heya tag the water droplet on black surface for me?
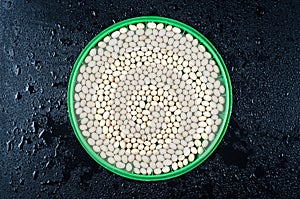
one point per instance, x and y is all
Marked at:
(35, 174)
(17, 70)
(60, 84)
(11, 52)
(175, 7)
(18, 96)
(48, 109)
(52, 54)
(59, 26)
(21, 144)
(71, 59)
(53, 75)
(260, 11)
(53, 33)
(15, 189)
(30, 56)
(259, 172)
(37, 64)
(33, 127)
(34, 148)
(55, 151)
(10, 145)
(21, 181)
(258, 41)
(93, 13)
(43, 189)
(30, 88)
(16, 130)
(41, 132)
(219, 25)
(236, 177)
(66, 41)
(81, 3)
(49, 164)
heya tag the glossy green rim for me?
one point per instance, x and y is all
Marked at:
(224, 78)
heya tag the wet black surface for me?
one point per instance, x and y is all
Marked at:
(41, 157)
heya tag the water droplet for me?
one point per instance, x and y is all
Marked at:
(21, 181)
(60, 84)
(16, 130)
(41, 132)
(18, 96)
(11, 52)
(175, 7)
(30, 89)
(71, 59)
(33, 127)
(35, 174)
(21, 144)
(236, 177)
(81, 3)
(260, 11)
(30, 55)
(53, 33)
(49, 164)
(53, 75)
(48, 109)
(17, 70)
(52, 54)
(37, 64)
(10, 145)
(258, 41)
(55, 151)
(66, 41)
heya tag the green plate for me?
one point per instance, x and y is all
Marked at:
(224, 78)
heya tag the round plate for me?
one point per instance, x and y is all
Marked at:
(224, 78)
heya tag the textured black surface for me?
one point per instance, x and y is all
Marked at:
(41, 157)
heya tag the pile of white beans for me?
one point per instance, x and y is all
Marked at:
(148, 98)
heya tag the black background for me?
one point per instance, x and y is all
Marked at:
(260, 154)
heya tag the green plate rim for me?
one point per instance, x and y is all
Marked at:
(225, 115)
